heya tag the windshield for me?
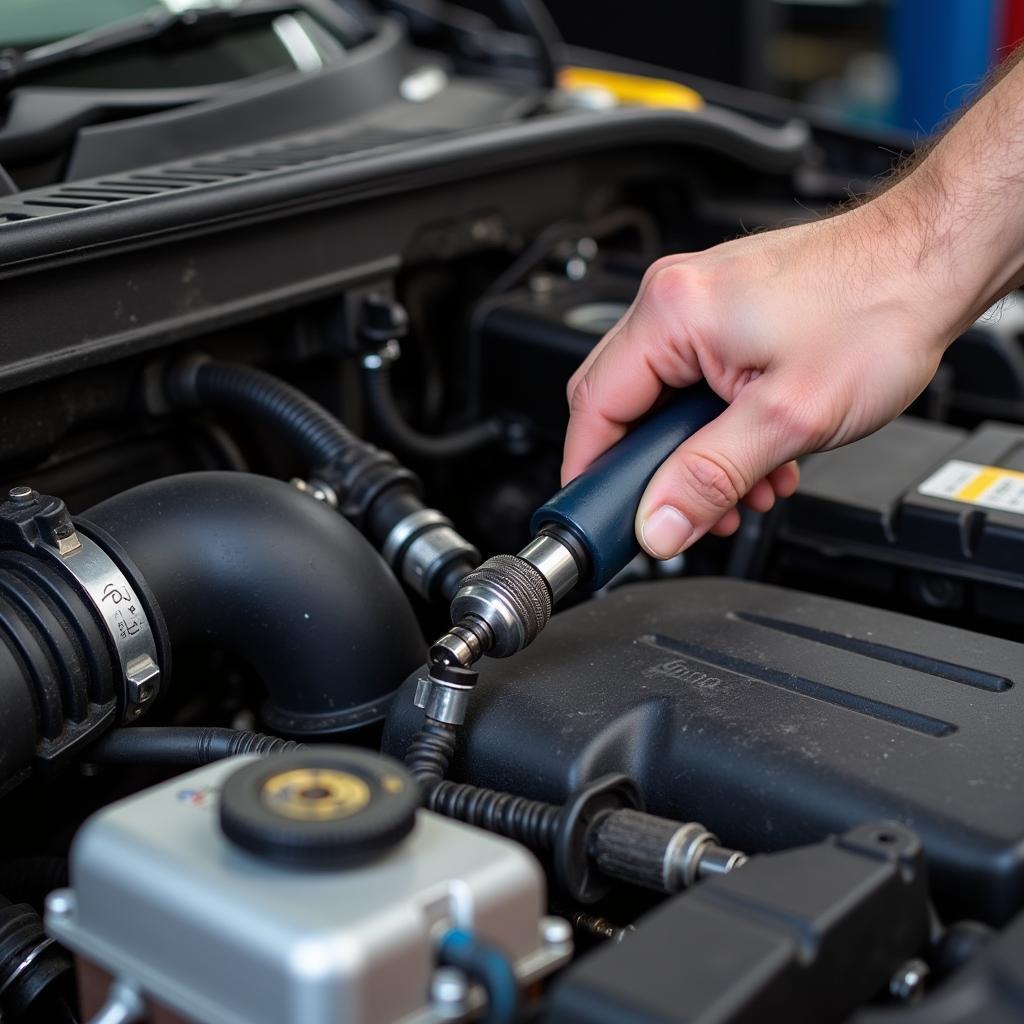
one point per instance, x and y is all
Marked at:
(29, 23)
(288, 42)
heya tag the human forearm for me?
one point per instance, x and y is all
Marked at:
(955, 223)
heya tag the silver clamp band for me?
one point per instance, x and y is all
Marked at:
(441, 701)
(26, 963)
(122, 613)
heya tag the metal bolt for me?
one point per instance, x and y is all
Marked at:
(316, 489)
(449, 990)
(907, 984)
(555, 931)
(60, 902)
(22, 494)
(142, 683)
(600, 927)
(124, 1005)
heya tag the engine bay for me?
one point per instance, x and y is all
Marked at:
(290, 732)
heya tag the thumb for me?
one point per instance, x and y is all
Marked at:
(711, 471)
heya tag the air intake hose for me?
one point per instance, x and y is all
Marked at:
(277, 579)
(91, 608)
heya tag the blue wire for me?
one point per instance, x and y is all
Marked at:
(489, 967)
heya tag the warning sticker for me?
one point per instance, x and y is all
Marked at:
(989, 486)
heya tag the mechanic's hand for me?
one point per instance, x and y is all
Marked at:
(815, 334)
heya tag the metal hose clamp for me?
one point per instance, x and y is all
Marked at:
(123, 615)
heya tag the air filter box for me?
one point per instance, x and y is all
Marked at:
(774, 717)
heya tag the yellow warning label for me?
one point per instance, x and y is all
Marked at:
(974, 484)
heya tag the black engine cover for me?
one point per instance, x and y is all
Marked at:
(772, 716)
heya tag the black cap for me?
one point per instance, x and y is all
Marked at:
(332, 807)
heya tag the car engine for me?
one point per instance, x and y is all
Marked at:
(321, 702)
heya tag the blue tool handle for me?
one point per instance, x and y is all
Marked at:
(599, 506)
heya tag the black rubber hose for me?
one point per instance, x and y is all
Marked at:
(530, 822)
(532, 19)
(278, 580)
(358, 472)
(320, 437)
(372, 489)
(397, 432)
(182, 747)
(430, 752)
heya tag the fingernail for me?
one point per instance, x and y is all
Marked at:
(665, 532)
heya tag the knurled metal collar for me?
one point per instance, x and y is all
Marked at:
(123, 615)
(511, 595)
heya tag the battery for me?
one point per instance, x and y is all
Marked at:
(926, 513)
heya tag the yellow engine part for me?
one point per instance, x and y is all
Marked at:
(636, 90)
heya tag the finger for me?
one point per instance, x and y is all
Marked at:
(785, 480)
(651, 351)
(760, 497)
(710, 472)
(584, 367)
(727, 525)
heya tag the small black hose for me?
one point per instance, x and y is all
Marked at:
(489, 967)
(181, 747)
(532, 19)
(430, 752)
(320, 437)
(389, 420)
(530, 822)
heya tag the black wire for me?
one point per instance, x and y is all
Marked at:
(180, 746)
(399, 434)
(531, 18)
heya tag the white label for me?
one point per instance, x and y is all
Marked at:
(974, 484)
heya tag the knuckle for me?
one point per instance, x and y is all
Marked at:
(669, 285)
(572, 385)
(714, 483)
(657, 266)
(797, 422)
(580, 396)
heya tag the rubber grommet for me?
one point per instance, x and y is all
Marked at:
(577, 877)
(332, 807)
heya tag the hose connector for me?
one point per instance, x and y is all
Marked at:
(502, 606)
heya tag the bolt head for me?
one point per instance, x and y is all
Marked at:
(22, 494)
(449, 988)
(908, 982)
(555, 931)
(60, 903)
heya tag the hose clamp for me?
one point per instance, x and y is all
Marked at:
(444, 693)
(26, 963)
(123, 615)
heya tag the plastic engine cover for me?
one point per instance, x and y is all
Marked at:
(772, 716)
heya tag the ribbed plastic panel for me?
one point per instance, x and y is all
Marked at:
(323, 147)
